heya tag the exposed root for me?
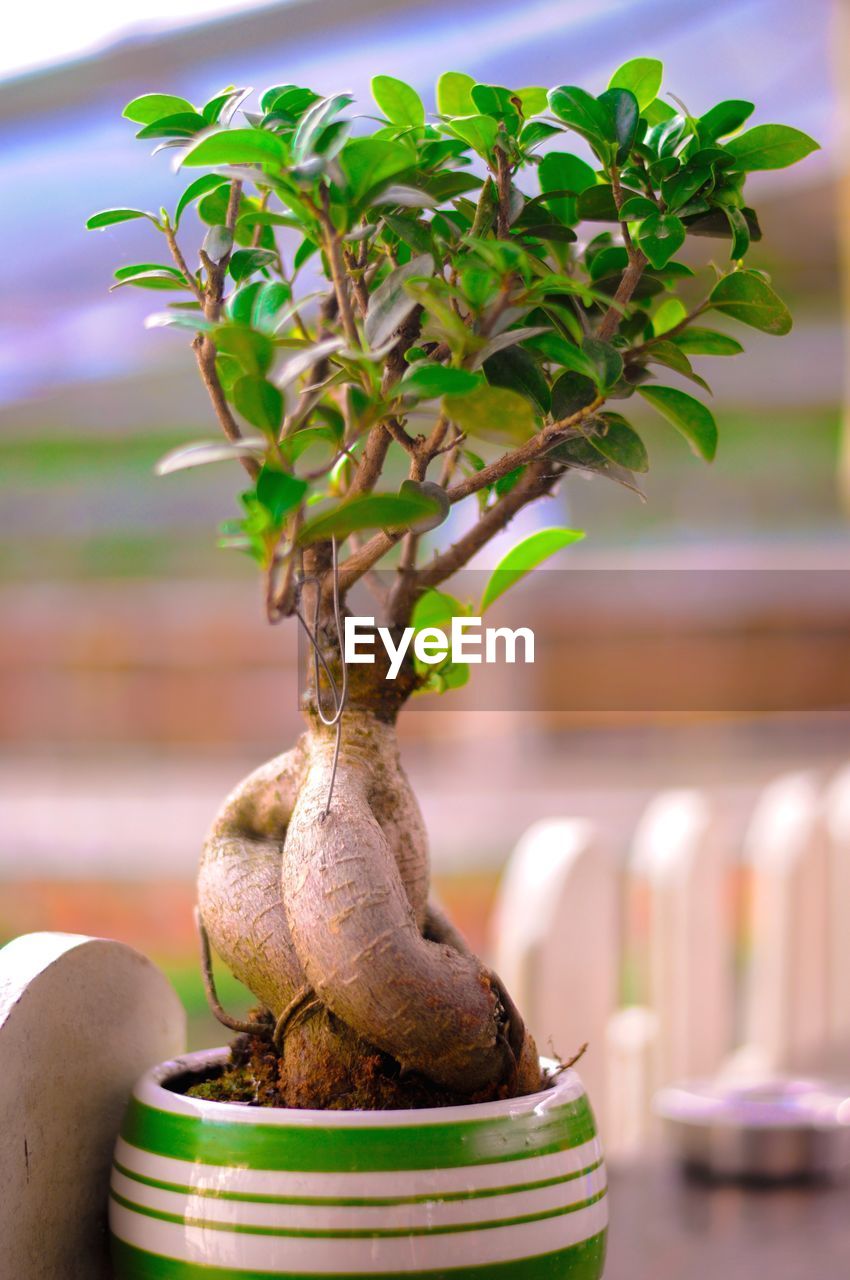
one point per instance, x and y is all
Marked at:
(571, 1062)
(376, 999)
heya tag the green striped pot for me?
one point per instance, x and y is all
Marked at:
(230, 1192)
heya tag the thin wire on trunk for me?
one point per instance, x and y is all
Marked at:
(339, 697)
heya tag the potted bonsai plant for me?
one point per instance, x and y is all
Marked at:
(393, 317)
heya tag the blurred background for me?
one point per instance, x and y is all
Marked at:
(698, 641)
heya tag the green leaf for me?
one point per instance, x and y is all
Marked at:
(610, 260)
(123, 273)
(534, 100)
(217, 243)
(323, 440)
(620, 443)
(432, 380)
(625, 114)
(517, 370)
(492, 413)
(496, 101)
(202, 452)
(606, 361)
(707, 342)
(688, 415)
(253, 350)
(369, 511)
(260, 402)
(637, 207)
(683, 186)
(370, 162)
(245, 262)
(723, 119)
(279, 492)
(580, 454)
(108, 217)
(596, 204)
(657, 112)
(559, 351)
(154, 106)
(314, 122)
(671, 312)
(411, 231)
(269, 300)
(435, 609)
(149, 276)
(391, 304)
(745, 296)
(212, 110)
(770, 146)
(184, 125)
(399, 102)
(507, 339)
(673, 357)
(661, 236)
(642, 76)
(584, 113)
(436, 493)
(200, 187)
(237, 146)
(479, 132)
(560, 171)
(740, 231)
(572, 391)
(454, 94)
(524, 557)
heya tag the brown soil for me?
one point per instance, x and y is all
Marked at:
(357, 1078)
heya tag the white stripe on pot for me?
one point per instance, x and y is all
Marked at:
(314, 1256)
(430, 1214)
(149, 1091)
(386, 1184)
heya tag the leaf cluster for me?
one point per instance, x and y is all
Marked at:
(461, 293)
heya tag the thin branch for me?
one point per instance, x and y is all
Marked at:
(630, 277)
(483, 210)
(380, 435)
(205, 354)
(370, 553)
(503, 190)
(333, 248)
(202, 344)
(537, 481)
(355, 275)
(671, 332)
(528, 452)
(403, 595)
(398, 433)
(380, 543)
(180, 263)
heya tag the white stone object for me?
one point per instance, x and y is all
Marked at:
(80, 1019)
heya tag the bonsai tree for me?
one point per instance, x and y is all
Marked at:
(394, 315)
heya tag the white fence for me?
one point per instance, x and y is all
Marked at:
(700, 955)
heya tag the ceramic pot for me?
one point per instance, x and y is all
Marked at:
(224, 1191)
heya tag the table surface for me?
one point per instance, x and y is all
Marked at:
(667, 1226)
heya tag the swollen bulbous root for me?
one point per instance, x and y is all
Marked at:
(298, 902)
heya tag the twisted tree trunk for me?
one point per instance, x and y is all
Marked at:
(326, 919)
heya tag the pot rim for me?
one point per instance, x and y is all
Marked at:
(151, 1091)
